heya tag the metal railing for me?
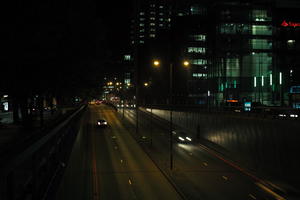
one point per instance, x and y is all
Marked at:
(28, 171)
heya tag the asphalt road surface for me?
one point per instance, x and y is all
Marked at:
(198, 172)
(107, 163)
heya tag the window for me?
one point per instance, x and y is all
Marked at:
(142, 24)
(142, 30)
(198, 37)
(161, 25)
(199, 75)
(260, 15)
(201, 50)
(152, 18)
(199, 61)
(198, 10)
(152, 24)
(161, 6)
(152, 35)
(161, 19)
(261, 30)
(127, 57)
(152, 29)
(142, 19)
(142, 13)
(142, 42)
(261, 44)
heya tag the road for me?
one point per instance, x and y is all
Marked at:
(107, 163)
(198, 172)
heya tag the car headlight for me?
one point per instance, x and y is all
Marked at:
(181, 138)
(188, 138)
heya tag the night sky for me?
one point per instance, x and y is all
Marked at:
(60, 43)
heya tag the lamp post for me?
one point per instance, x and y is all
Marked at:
(185, 63)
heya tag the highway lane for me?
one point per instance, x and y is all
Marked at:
(198, 173)
(107, 163)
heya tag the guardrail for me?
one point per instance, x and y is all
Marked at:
(28, 172)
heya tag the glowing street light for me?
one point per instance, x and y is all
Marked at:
(186, 63)
(156, 63)
(146, 84)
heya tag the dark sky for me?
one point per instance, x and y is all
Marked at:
(65, 27)
(61, 38)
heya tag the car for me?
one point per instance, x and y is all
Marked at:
(182, 137)
(102, 123)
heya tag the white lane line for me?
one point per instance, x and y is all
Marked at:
(225, 178)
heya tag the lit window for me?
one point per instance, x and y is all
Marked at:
(152, 18)
(152, 24)
(152, 13)
(199, 75)
(291, 41)
(261, 44)
(142, 19)
(199, 62)
(161, 6)
(152, 5)
(201, 50)
(142, 24)
(260, 15)
(127, 57)
(161, 19)
(141, 36)
(161, 14)
(142, 42)
(161, 25)
(152, 35)
(142, 13)
(152, 29)
(261, 30)
(198, 37)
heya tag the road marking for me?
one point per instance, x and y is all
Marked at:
(205, 164)
(95, 174)
(252, 196)
(225, 178)
(129, 181)
(274, 194)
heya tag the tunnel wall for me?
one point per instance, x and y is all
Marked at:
(265, 146)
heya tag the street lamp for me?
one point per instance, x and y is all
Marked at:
(185, 63)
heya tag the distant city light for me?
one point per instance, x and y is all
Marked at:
(262, 80)
(271, 81)
(254, 81)
(156, 63)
